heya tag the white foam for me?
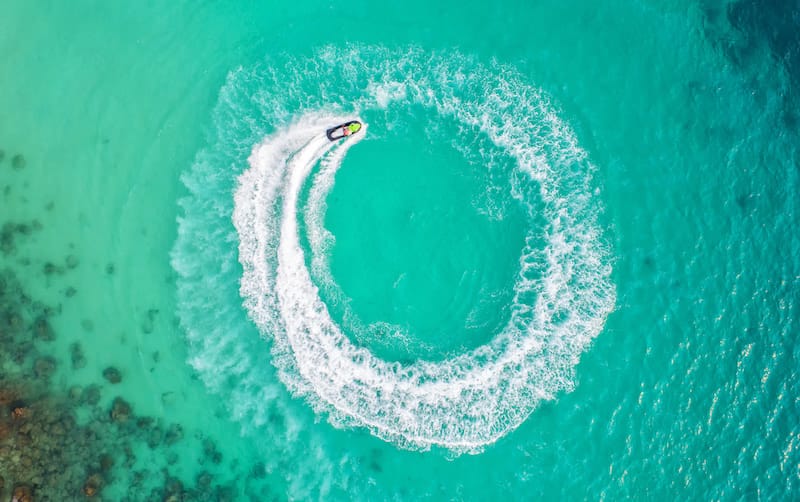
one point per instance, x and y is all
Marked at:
(386, 93)
(562, 294)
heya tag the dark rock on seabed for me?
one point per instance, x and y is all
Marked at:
(112, 375)
(46, 453)
(154, 436)
(18, 161)
(148, 323)
(93, 485)
(11, 231)
(92, 395)
(76, 356)
(174, 434)
(72, 261)
(42, 329)
(120, 410)
(22, 493)
(106, 462)
(210, 451)
(75, 394)
(44, 367)
(51, 268)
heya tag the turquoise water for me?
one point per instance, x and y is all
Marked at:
(559, 262)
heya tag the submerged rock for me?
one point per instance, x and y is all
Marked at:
(72, 261)
(18, 161)
(57, 430)
(42, 330)
(2, 157)
(174, 434)
(92, 485)
(130, 458)
(149, 323)
(44, 367)
(137, 478)
(174, 486)
(7, 396)
(211, 452)
(258, 471)
(120, 410)
(19, 411)
(168, 398)
(10, 231)
(106, 462)
(224, 494)
(110, 269)
(204, 480)
(112, 374)
(144, 422)
(76, 355)
(154, 437)
(7, 239)
(22, 493)
(22, 351)
(92, 394)
(13, 321)
(75, 393)
(60, 443)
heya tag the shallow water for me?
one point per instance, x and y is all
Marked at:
(560, 261)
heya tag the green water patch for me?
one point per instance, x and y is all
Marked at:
(421, 259)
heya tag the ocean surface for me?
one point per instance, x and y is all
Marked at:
(560, 261)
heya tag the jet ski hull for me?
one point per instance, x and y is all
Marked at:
(338, 132)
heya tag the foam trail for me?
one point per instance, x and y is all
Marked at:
(562, 293)
(458, 403)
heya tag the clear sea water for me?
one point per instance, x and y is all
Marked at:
(560, 262)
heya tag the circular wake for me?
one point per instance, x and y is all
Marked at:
(562, 293)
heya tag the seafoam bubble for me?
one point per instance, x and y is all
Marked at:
(562, 293)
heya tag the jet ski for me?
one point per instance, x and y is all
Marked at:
(343, 130)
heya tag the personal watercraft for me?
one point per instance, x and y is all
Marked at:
(343, 130)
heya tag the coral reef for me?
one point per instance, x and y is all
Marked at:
(46, 452)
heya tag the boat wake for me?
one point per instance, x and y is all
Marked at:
(562, 293)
